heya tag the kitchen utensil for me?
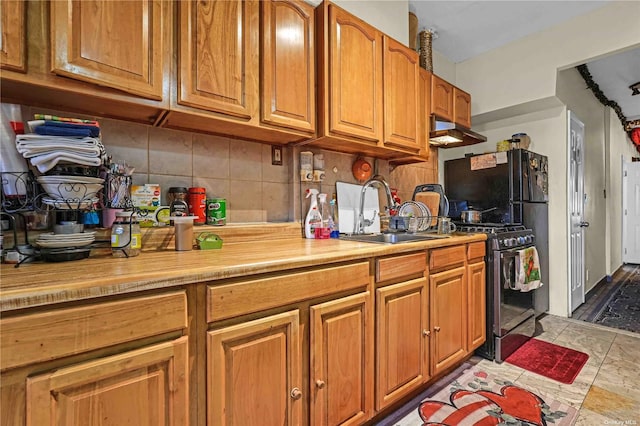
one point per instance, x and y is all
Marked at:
(361, 170)
(184, 232)
(474, 216)
(443, 208)
(208, 241)
(432, 201)
(445, 226)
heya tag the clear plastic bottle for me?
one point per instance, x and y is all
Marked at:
(324, 231)
(126, 236)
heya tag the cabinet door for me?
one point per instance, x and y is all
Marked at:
(441, 98)
(355, 77)
(13, 41)
(401, 95)
(288, 64)
(461, 107)
(146, 387)
(117, 44)
(341, 336)
(476, 274)
(448, 318)
(254, 373)
(218, 60)
(402, 340)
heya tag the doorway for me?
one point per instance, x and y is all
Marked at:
(631, 212)
(576, 221)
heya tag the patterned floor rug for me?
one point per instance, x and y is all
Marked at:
(622, 311)
(470, 396)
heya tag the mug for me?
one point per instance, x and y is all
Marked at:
(445, 226)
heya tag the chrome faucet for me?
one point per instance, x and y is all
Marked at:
(361, 222)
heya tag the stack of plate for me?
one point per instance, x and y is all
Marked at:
(418, 210)
(68, 191)
(51, 240)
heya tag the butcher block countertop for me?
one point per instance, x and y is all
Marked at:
(38, 283)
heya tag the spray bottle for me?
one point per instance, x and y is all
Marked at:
(313, 219)
(325, 228)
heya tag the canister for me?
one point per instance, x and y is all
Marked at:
(504, 145)
(198, 205)
(216, 211)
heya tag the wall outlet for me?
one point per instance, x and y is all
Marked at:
(276, 155)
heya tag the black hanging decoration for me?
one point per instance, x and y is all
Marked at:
(626, 124)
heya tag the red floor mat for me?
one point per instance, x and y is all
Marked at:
(549, 360)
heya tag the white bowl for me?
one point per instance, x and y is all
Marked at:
(71, 190)
(74, 179)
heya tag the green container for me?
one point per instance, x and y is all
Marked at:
(216, 211)
(208, 241)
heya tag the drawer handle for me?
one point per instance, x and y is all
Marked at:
(320, 384)
(296, 394)
(436, 328)
(426, 333)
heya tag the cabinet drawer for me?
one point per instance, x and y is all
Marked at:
(476, 250)
(48, 335)
(389, 268)
(447, 257)
(226, 301)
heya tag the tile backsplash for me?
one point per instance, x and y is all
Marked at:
(238, 170)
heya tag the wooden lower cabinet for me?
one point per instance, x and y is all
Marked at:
(402, 333)
(143, 387)
(476, 278)
(341, 370)
(255, 372)
(448, 318)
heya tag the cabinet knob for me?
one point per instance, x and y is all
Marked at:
(296, 393)
(320, 384)
(436, 328)
(426, 332)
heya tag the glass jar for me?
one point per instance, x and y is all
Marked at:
(126, 237)
(176, 193)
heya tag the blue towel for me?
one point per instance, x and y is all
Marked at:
(60, 131)
(94, 130)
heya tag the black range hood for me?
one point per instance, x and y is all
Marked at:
(449, 135)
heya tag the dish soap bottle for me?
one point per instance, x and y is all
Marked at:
(313, 218)
(324, 231)
(333, 217)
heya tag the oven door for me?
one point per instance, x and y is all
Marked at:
(511, 307)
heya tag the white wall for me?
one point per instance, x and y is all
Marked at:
(525, 70)
(572, 90)
(390, 17)
(618, 147)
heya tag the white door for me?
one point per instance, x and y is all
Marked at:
(576, 212)
(631, 212)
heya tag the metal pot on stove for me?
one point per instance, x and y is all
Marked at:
(474, 216)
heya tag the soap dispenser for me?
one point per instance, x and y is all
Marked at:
(313, 218)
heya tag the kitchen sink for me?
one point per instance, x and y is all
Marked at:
(391, 238)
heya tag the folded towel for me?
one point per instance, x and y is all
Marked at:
(65, 119)
(48, 163)
(61, 131)
(31, 138)
(527, 270)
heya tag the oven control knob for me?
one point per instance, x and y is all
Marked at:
(528, 239)
(520, 240)
(512, 242)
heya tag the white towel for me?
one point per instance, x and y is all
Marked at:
(528, 275)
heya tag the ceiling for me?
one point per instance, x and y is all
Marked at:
(464, 29)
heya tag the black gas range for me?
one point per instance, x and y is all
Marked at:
(510, 313)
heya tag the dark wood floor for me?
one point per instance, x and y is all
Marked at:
(596, 300)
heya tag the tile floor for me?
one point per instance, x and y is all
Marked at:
(607, 390)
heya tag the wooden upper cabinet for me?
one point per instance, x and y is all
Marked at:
(462, 107)
(441, 98)
(147, 386)
(401, 95)
(353, 65)
(218, 59)
(118, 44)
(288, 64)
(13, 41)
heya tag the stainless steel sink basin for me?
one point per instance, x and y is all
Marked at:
(391, 238)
